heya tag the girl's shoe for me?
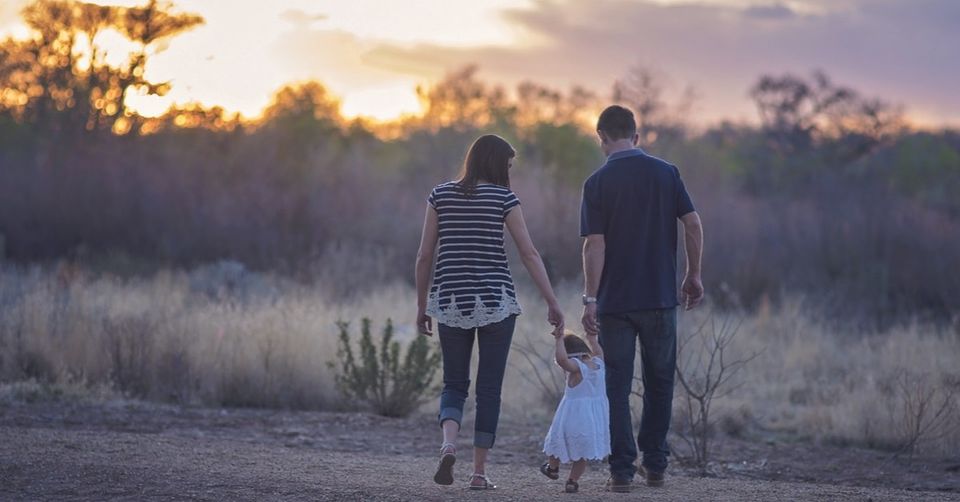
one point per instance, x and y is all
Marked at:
(550, 472)
(448, 457)
(571, 486)
(481, 482)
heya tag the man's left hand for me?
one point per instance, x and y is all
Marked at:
(589, 319)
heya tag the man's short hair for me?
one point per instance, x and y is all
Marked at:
(617, 122)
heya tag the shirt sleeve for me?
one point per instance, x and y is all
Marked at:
(591, 214)
(509, 202)
(684, 203)
(432, 198)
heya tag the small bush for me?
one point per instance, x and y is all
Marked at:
(705, 374)
(924, 410)
(129, 346)
(377, 376)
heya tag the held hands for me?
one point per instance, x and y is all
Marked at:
(589, 319)
(555, 318)
(424, 323)
(691, 292)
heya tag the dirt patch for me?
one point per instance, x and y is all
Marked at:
(137, 451)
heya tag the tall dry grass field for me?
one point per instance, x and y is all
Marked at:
(221, 335)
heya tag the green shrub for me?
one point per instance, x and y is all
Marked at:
(377, 377)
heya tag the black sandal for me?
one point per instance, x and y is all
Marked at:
(571, 486)
(550, 472)
(448, 457)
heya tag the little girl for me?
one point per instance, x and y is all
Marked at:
(581, 426)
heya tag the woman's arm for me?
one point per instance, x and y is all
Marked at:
(534, 265)
(423, 268)
(563, 360)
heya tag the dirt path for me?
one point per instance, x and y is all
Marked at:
(52, 451)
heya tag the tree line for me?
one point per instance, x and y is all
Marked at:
(831, 195)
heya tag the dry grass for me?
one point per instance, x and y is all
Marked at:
(217, 335)
(811, 381)
(830, 385)
(220, 335)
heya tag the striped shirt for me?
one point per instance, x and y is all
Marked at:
(472, 285)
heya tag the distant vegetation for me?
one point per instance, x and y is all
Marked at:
(831, 196)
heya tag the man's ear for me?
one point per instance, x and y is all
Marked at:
(636, 138)
(603, 137)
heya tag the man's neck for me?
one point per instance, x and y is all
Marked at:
(620, 145)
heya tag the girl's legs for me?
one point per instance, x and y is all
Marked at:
(553, 462)
(578, 468)
(551, 468)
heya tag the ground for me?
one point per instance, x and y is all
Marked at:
(137, 451)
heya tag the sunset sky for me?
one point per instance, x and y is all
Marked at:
(372, 53)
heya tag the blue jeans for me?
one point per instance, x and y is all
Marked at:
(657, 332)
(456, 344)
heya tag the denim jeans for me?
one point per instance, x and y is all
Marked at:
(456, 344)
(657, 332)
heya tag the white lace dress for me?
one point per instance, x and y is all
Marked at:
(581, 425)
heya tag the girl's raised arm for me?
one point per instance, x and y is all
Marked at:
(594, 343)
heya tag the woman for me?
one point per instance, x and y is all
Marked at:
(472, 292)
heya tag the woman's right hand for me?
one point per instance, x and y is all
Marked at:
(424, 323)
(555, 318)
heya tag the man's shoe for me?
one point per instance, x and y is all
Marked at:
(619, 485)
(652, 478)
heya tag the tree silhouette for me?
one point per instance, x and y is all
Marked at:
(643, 90)
(799, 114)
(537, 104)
(461, 100)
(308, 100)
(58, 78)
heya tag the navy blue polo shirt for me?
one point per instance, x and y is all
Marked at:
(634, 201)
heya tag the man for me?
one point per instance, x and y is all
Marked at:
(628, 217)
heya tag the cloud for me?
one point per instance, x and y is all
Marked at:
(336, 57)
(771, 11)
(301, 19)
(901, 51)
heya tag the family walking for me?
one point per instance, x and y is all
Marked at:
(628, 219)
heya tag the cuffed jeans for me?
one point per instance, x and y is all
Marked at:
(657, 332)
(456, 345)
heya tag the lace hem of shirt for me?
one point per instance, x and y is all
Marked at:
(479, 315)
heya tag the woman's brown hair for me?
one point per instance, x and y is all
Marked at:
(489, 160)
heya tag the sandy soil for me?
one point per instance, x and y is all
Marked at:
(136, 451)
